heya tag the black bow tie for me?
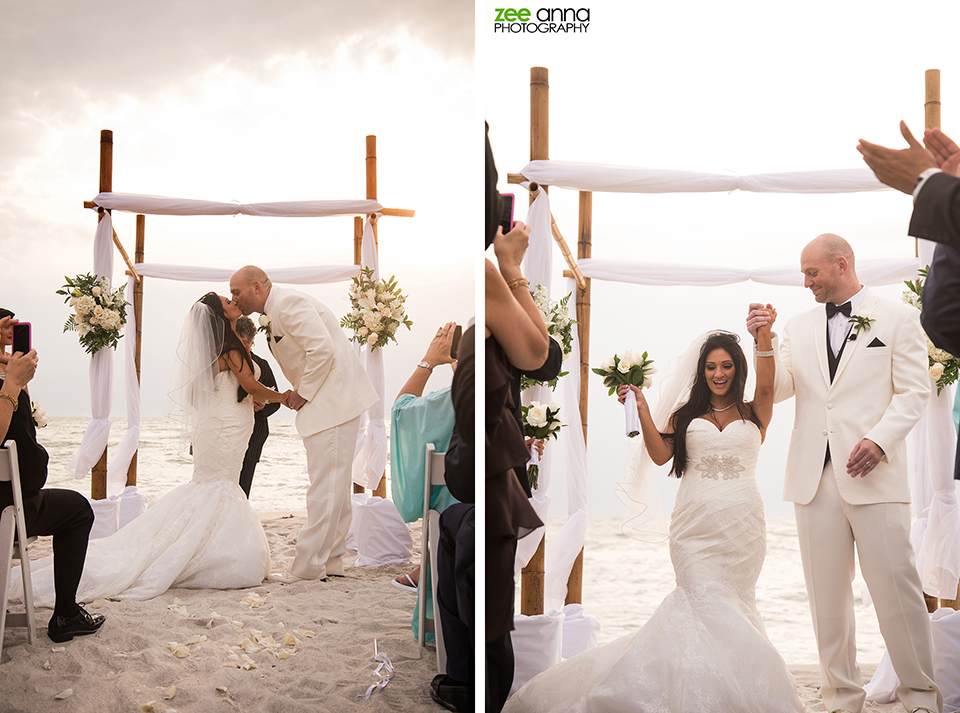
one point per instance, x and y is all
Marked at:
(843, 309)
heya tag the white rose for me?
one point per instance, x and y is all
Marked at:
(651, 370)
(95, 291)
(73, 301)
(623, 367)
(98, 311)
(553, 406)
(392, 328)
(555, 426)
(647, 382)
(607, 365)
(362, 331)
(537, 415)
(372, 339)
(629, 358)
(936, 371)
(94, 320)
(384, 311)
(264, 321)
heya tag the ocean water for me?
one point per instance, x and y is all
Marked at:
(625, 580)
(279, 483)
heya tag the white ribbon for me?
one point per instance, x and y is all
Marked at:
(630, 411)
(385, 665)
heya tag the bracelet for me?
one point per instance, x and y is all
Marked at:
(519, 282)
(11, 398)
(762, 354)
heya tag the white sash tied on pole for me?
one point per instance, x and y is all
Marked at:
(371, 459)
(95, 438)
(163, 205)
(282, 275)
(117, 469)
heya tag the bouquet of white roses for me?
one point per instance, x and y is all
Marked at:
(99, 312)
(628, 368)
(377, 310)
(559, 326)
(540, 421)
(944, 367)
(39, 415)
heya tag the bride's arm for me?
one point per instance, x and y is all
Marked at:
(248, 381)
(766, 373)
(659, 448)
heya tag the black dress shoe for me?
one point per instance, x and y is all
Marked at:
(63, 628)
(452, 695)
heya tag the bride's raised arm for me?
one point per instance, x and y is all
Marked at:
(248, 381)
(659, 449)
(766, 371)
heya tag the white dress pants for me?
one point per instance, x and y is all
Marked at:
(828, 527)
(322, 541)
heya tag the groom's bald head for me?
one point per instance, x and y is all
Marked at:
(250, 288)
(827, 264)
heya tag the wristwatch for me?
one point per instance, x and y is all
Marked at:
(425, 365)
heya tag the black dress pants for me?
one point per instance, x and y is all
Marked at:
(456, 561)
(67, 516)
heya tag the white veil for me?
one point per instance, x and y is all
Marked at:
(192, 388)
(644, 519)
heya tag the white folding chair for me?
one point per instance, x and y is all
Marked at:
(12, 523)
(429, 540)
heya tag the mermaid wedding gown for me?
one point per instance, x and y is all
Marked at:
(705, 648)
(201, 535)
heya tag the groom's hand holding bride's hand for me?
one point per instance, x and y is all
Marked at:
(758, 316)
(291, 399)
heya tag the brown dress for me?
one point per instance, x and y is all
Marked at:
(509, 515)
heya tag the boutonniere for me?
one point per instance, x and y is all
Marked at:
(860, 323)
(264, 324)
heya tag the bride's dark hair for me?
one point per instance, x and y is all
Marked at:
(699, 402)
(230, 342)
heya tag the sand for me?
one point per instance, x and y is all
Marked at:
(129, 663)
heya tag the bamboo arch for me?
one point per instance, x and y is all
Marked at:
(532, 576)
(99, 470)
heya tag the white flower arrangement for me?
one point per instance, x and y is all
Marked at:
(540, 421)
(265, 325)
(99, 312)
(376, 310)
(628, 368)
(944, 368)
(559, 327)
(39, 415)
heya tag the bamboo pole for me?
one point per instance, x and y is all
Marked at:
(126, 258)
(138, 327)
(398, 212)
(357, 258)
(98, 475)
(531, 577)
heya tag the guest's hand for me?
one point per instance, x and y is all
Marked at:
(20, 369)
(294, 400)
(642, 406)
(864, 458)
(510, 249)
(758, 316)
(944, 149)
(438, 351)
(898, 168)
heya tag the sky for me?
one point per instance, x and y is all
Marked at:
(233, 101)
(743, 87)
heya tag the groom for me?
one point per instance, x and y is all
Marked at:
(330, 392)
(861, 384)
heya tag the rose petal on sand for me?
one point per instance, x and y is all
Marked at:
(147, 707)
(64, 694)
(58, 649)
(46, 665)
(221, 690)
(290, 640)
(169, 693)
(305, 633)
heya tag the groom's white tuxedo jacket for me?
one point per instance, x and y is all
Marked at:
(317, 359)
(879, 392)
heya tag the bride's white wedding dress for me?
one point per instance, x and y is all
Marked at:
(705, 648)
(201, 535)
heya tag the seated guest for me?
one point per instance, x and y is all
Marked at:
(261, 411)
(65, 514)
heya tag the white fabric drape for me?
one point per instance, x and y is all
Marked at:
(371, 460)
(871, 272)
(163, 205)
(95, 438)
(117, 469)
(628, 179)
(284, 275)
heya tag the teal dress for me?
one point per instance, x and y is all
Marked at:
(415, 422)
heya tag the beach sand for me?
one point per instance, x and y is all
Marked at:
(128, 663)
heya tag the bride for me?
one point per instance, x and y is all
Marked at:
(705, 648)
(203, 534)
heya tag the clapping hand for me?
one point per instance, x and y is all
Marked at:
(945, 151)
(898, 168)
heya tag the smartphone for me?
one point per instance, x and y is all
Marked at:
(506, 212)
(21, 337)
(455, 345)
